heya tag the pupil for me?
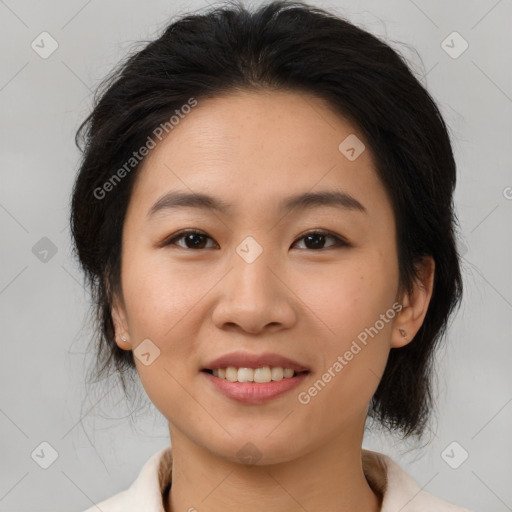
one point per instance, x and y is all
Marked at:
(310, 237)
(190, 238)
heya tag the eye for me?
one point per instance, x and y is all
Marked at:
(316, 239)
(193, 239)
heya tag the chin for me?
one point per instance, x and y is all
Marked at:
(257, 450)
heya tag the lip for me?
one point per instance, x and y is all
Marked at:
(246, 360)
(253, 392)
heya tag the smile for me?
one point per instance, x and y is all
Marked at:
(260, 375)
(253, 386)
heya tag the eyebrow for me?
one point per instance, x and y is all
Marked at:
(308, 200)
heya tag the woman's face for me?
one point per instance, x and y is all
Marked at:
(253, 282)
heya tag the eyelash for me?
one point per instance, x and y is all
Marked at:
(339, 241)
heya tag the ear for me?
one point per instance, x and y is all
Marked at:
(119, 319)
(414, 305)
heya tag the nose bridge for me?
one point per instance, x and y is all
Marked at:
(252, 264)
(253, 296)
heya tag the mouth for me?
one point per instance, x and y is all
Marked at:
(253, 386)
(243, 366)
(253, 378)
(260, 375)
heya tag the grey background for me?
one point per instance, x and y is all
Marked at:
(101, 443)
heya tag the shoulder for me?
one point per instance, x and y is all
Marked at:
(399, 491)
(145, 493)
(117, 503)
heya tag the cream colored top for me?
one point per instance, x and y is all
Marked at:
(398, 490)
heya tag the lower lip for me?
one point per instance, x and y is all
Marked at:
(254, 392)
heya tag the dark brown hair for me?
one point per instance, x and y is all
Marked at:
(282, 46)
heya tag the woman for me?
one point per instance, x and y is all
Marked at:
(264, 213)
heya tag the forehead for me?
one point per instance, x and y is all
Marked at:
(254, 148)
(271, 125)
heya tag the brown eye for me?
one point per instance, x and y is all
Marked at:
(192, 239)
(316, 240)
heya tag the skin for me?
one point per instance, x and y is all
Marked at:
(252, 149)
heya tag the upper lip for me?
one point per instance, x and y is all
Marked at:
(247, 360)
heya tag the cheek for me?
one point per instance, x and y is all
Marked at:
(158, 294)
(354, 305)
(350, 296)
(160, 304)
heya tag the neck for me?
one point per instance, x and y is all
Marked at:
(330, 477)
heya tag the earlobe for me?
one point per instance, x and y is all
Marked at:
(400, 337)
(415, 305)
(403, 333)
(120, 325)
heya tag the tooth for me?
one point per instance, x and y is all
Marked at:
(277, 373)
(262, 374)
(288, 372)
(245, 375)
(231, 373)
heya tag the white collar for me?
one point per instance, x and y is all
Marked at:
(386, 477)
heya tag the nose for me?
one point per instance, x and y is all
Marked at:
(255, 297)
